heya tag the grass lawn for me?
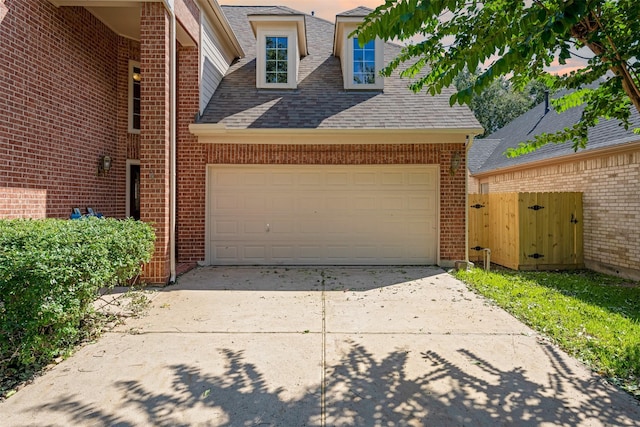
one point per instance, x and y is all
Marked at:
(593, 317)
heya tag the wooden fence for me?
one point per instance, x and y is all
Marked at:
(527, 231)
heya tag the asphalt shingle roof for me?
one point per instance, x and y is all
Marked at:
(359, 11)
(277, 10)
(489, 156)
(320, 100)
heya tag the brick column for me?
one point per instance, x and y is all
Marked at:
(452, 205)
(192, 161)
(155, 134)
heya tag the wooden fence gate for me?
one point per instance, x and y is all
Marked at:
(527, 231)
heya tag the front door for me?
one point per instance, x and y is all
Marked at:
(134, 191)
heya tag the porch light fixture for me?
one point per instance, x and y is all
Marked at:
(455, 163)
(104, 165)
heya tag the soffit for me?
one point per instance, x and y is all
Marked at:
(122, 17)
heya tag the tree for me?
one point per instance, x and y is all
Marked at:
(499, 103)
(520, 39)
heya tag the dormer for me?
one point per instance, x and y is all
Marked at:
(281, 41)
(361, 65)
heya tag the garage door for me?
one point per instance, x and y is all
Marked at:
(322, 215)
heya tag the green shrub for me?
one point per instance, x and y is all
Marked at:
(51, 271)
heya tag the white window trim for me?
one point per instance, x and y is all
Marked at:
(132, 64)
(348, 78)
(293, 58)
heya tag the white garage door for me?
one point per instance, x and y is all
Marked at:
(322, 215)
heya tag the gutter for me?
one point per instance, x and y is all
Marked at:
(466, 201)
(172, 151)
(226, 27)
(218, 129)
(172, 140)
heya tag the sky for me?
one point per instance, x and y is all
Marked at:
(328, 9)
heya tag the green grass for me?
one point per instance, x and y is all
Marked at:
(593, 317)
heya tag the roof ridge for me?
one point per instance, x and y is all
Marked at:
(358, 11)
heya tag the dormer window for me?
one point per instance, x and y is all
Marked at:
(364, 63)
(361, 65)
(277, 59)
(280, 41)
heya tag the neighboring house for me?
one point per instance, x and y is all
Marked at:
(265, 137)
(607, 172)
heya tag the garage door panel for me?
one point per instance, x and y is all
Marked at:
(226, 227)
(365, 180)
(310, 179)
(227, 253)
(372, 215)
(364, 203)
(282, 179)
(426, 179)
(283, 252)
(226, 201)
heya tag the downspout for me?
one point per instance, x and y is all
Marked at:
(466, 201)
(172, 141)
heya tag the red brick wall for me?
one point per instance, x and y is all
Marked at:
(191, 174)
(154, 136)
(58, 106)
(452, 187)
(23, 203)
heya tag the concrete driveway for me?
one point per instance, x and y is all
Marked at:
(320, 346)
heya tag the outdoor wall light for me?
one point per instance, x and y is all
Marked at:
(456, 159)
(104, 165)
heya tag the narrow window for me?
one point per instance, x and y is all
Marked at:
(277, 49)
(134, 97)
(364, 63)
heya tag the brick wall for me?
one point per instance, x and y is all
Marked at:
(154, 135)
(23, 203)
(610, 185)
(452, 187)
(191, 174)
(58, 106)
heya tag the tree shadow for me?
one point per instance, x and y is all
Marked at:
(362, 389)
(319, 96)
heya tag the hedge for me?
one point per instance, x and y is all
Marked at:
(51, 271)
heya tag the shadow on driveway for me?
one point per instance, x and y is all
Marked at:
(314, 346)
(360, 391)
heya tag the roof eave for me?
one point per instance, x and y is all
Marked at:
(215, 11)
(217, 129)
(619, 148)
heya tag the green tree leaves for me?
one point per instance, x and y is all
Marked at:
(518, 40)
(500, 102)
